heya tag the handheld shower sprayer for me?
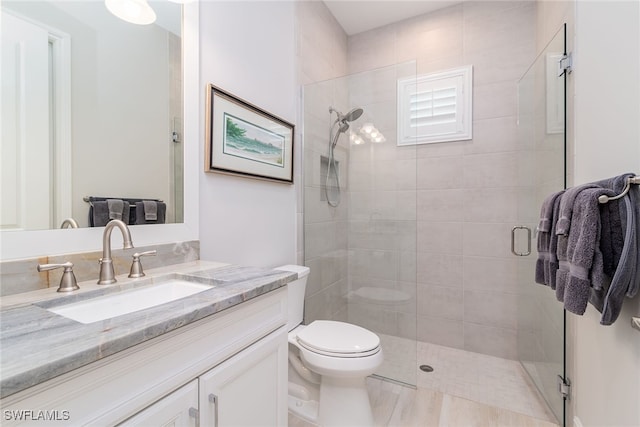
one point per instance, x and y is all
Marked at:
(342, 120)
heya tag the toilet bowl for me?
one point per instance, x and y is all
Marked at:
(328, 364)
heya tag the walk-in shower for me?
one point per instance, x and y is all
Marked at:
(418, 249)
(341, 123)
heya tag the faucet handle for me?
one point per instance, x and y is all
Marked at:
(68, 281)
(136, 265)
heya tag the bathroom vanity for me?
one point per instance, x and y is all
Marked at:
(218, 357)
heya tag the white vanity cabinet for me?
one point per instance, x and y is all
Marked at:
(228, 369)
(178, 409)
(247, 389)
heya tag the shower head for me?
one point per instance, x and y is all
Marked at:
(344, 119)
(351, 115)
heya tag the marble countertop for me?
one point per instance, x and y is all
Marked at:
(38, 345)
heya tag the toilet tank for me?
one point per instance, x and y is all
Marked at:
(295, 294)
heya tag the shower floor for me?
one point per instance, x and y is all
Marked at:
(490, 380)
(464, 389)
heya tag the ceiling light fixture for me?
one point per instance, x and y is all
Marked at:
(355, 139)
(133, 11)
(367, 128)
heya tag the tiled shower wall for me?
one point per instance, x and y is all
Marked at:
(469, 193)
(322, 55)
(382, 213)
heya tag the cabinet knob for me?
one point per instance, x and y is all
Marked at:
(214, 399)
(195, 414)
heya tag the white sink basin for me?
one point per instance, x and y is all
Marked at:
(125, 302)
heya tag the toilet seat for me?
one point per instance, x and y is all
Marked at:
(338, 339)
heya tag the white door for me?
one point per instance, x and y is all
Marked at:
(179, 409)
(249, 389)
(25, 145)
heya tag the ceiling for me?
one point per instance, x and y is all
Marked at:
(356, 16)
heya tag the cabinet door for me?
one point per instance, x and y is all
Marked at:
(178, 409)
(249, 389)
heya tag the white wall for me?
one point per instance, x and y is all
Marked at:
(248, 49)
(607, 143)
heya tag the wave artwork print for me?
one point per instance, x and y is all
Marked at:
(252, 142)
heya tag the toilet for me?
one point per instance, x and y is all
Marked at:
(328, 364)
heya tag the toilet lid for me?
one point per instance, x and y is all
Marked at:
(340, 338)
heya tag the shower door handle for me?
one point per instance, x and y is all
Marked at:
(513, 240)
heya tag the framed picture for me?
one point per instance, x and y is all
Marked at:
(243, 139)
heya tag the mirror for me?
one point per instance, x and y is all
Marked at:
(91, 106)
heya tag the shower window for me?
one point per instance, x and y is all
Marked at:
(435, 107)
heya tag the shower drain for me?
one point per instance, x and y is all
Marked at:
(426, 368)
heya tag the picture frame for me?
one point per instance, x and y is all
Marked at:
(245, 140)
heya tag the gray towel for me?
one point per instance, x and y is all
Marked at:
(563, 266)
(611, 238)
(634, 200)
(563, 227)
(150, 210)
(583, 257)
(613, 216)
(161, 212)
(99, 213)
(626, 280)
(566, 207)
(552, 264)
(115, 208)
(546, 231)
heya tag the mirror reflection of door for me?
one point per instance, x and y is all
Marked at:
(35, 149)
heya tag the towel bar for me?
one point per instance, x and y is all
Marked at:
(631, 180)
(132, 201)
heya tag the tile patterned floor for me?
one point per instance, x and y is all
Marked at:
(489, 380)
(465, 389)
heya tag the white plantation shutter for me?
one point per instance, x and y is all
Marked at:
(435, 107)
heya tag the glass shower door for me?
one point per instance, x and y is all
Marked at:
(360, 213)
(541, 127)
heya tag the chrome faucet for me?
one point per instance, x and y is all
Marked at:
(68, 281)
(107, 274)
(69, 222)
